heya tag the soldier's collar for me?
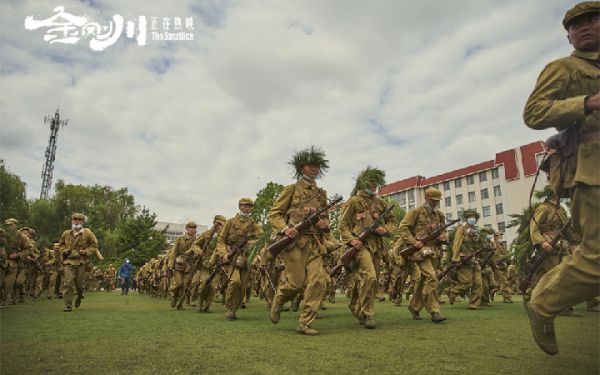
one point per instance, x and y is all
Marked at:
(592, 56)
(307, 183)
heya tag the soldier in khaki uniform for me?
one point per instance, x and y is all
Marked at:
(467, 241)
(206, 244)
(76, 246)
(501, 260)
(179, 265)
(110, 275)
(31, 267)
(14, 248)
(418, 223)
(303, 259)
(361, 210)
(241, 228)
(567, 96)
(52, 263)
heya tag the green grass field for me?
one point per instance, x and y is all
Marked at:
(136, 334)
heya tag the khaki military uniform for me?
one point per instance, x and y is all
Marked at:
(110, 276)
(500, 259)
(558, 101)
(466, 242)
(75, 264)
(231, 235)
(360, 212)
(418, 223)
(205, 294)
(303, 259)
(180, 261)
(16, 248)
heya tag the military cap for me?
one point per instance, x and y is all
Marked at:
(246, 201)
(26, 228)
(579, 10)
(310, 155)
(191, 224)
(11, 221)
(471, 213)
(55, 245)
(433, 193)
(78, 215)
(220, 218)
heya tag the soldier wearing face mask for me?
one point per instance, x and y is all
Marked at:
(234, 231)
(467, 242)
(418, 223)
(76, 246)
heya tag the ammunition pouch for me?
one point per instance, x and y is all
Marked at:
(180, 263)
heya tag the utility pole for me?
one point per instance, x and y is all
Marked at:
(55, 123)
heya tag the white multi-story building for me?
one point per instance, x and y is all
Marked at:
(175, 230)
(494, 188)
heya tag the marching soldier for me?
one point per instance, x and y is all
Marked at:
(235, 231)
(467, 242)
(362, 209)
(76, 246)
(303, 260)
(501, 260)
(110, 276)
(566, 96)
(206, 294)
(179, 265)
(14, 248)
(418, 223)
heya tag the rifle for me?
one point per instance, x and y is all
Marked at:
(410, 250)
(538, 263)
(199, 258)
(351, 251)
(276, 247)
(233, 252)
(265, 272)
(463, 261)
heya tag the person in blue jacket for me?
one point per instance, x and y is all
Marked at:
(125, 272)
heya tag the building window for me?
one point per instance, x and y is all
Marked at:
(470, 180)
(458, 183)
(449, 217)
(471, 196)
(448, 201)
(495, 173)
(403, 207)
(486, 211)
(411, 206)
(447, 185)
(484, 194)
(460, 212)
(482, 176)
(435, 186)
(499, 209)
(411, 196)
(488, 226)
(459, 199)
(497, 191)
(501, 226)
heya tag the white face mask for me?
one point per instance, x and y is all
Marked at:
(242, 213)
(491, 238)
(471, 221)
(308, 178)
(76, 227)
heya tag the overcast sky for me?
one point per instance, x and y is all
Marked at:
(189, 127)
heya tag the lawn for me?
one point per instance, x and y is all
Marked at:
(136, 334)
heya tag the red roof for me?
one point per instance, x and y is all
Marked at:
(507, 158)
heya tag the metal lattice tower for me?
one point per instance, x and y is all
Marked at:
(55, 123)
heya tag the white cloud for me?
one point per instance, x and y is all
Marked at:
(190, 127)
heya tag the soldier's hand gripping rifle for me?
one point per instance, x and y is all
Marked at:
(410, 250)
(235, 249)
(351, 251)
(463, 261)
(544, 255)
(276, 247)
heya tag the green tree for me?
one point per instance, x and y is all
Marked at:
(13, 199)
(263, 202)
(138, 240)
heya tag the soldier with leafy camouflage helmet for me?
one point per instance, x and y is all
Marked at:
(303, 259)
(241, 228)
(361, 210)
(418, 223)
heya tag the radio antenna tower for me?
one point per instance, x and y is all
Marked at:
(55, 123)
